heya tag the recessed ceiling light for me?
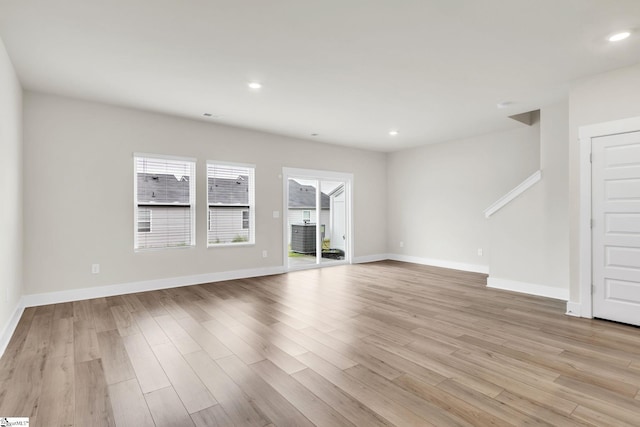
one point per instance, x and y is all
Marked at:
(504, 104)
(314, 134)
(619, 36)
(255, 85)
(393, 132)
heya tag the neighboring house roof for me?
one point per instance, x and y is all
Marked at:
(162, 188)
(166, 188)
(304, 196)
(229, 192)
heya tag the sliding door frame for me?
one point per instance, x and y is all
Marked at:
(319, 175)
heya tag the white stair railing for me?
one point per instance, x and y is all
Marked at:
(511, 195)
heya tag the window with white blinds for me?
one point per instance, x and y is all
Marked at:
(164, 200)
(230, 204)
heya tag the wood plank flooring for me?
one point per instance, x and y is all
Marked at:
(375, 344)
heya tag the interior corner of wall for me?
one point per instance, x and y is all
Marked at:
(10, 327)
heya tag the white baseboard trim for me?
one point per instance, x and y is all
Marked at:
(528, 288)
(370, 258)
(574, 309)
(10, 327)
(473, 268)
(33, 300)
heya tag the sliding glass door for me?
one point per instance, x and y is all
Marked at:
(302, 221)
(333, 231)
(317, 218)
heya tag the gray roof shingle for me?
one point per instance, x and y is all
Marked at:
(162, 188)
(225, 191)
(304, 196)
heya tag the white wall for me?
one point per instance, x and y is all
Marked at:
(530, 236)
(10, 191)
(605, 97)
(79, 200)
(437, 193)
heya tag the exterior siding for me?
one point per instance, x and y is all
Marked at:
(225, 225)
(170, 227)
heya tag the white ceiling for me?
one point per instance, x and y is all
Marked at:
(348, 70)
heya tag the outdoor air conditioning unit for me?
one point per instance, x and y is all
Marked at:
(303, 238)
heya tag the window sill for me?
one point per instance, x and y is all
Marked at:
(170, 248)
(229, 245)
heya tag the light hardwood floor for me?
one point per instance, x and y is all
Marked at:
(368, 345)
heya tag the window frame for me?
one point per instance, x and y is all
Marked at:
(192, 163)
(251, 169)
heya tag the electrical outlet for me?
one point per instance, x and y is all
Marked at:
(276, 214)
(402, 244)
(264, 254)
(95, 268)
(479, 251)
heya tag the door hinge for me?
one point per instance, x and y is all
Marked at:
(591, 222)
(590, 157)
(593, 289)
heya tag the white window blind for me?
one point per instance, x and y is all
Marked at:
(230, 203)
(164, 200)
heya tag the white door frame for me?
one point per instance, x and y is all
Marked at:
(334, 217)
(319, 175)
(586, 134)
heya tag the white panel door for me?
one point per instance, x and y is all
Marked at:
(616, 227)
